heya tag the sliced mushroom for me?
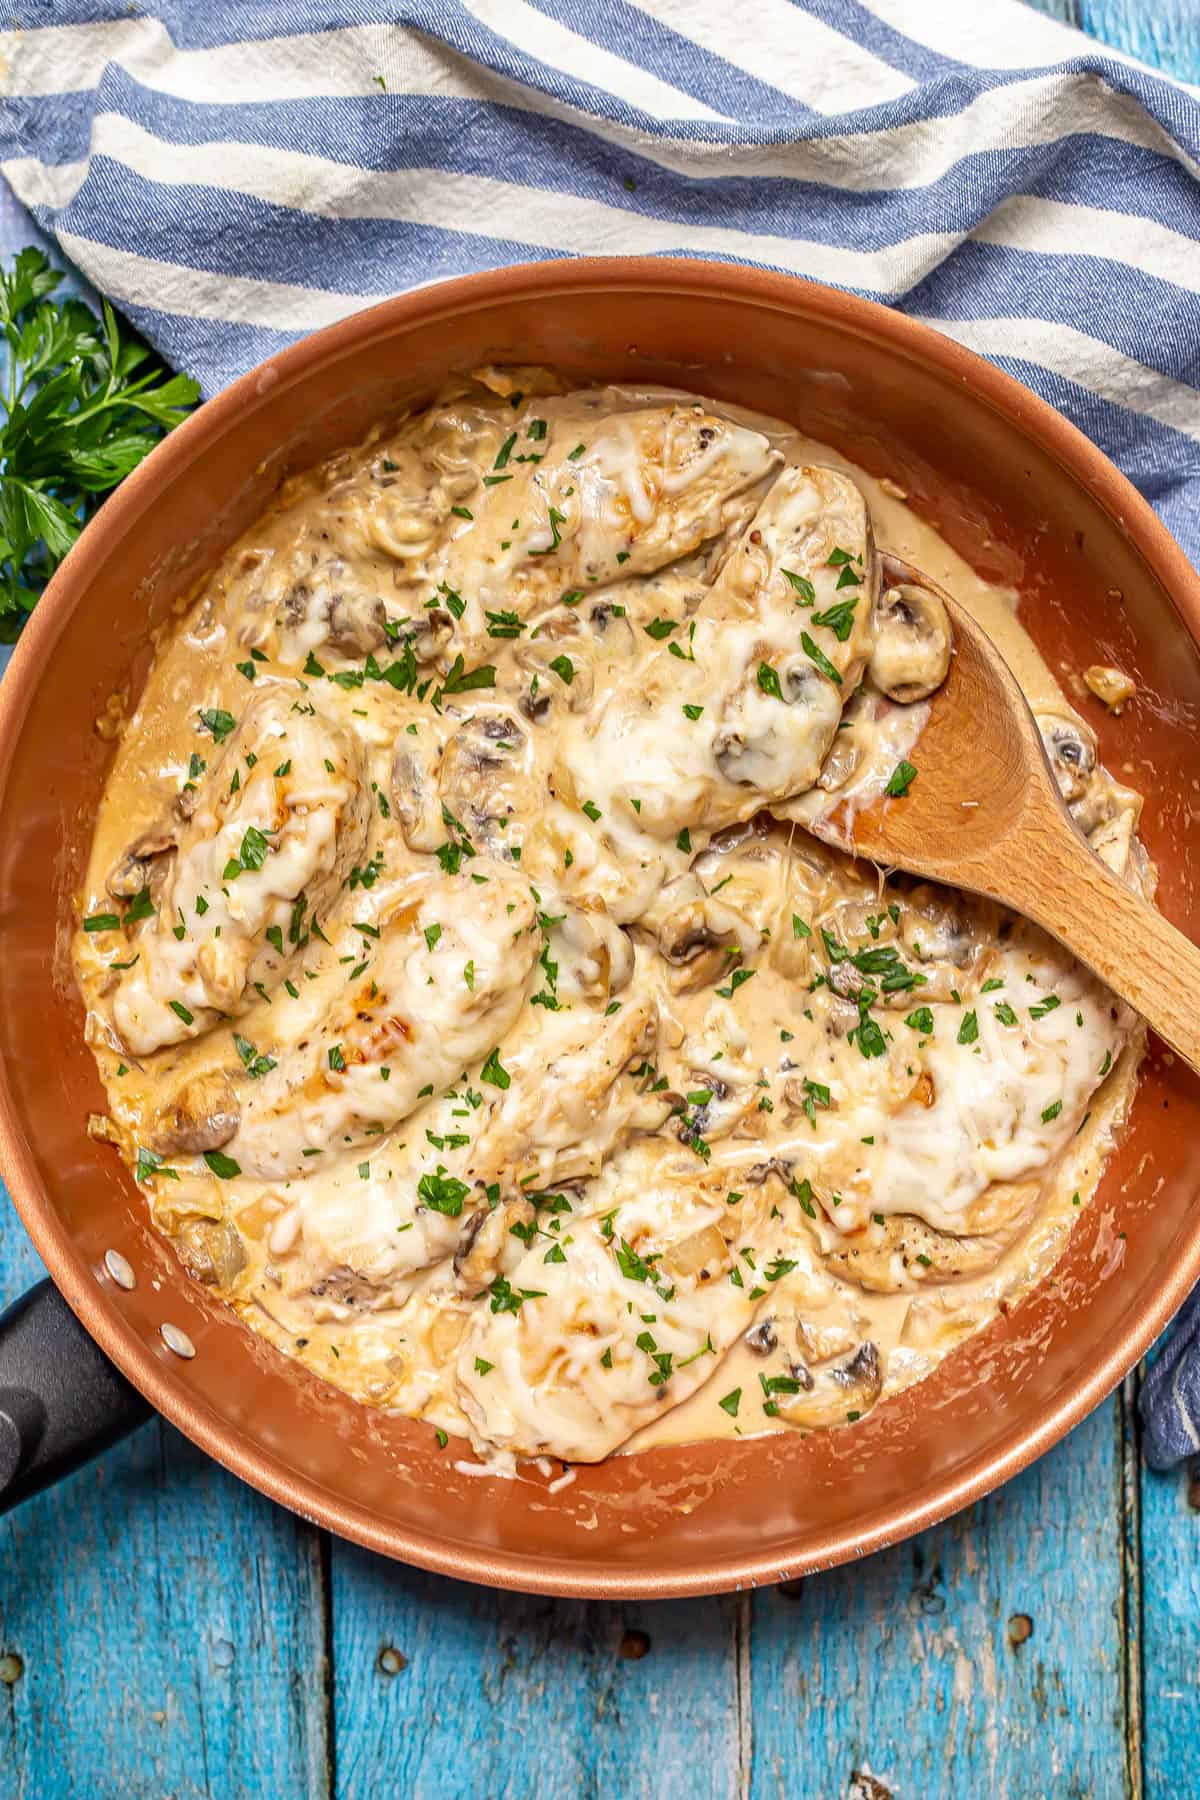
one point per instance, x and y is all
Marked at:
(535, 704)
(212, 1251)
(762, 1338)
(429, 635)
(779, 1166)
(699, 936)
(324, 609)
(407, 520)
(594, 955)
(493, 1240)
(840, 764)
(606, 620)
(1115, 842)
(486, 778)
(837, 1395)
(911, 653)
(1071, 747)
(357, 623)
(202, 1115)
(577, 688)
(137, 864)
(415, 798)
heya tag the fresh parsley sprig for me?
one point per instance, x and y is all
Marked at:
(83, 401)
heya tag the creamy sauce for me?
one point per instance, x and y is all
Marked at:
(472, 1003)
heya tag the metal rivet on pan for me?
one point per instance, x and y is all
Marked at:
(177, 1340)
(119, 1269)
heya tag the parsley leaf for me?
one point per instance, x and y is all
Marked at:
(442, 1193)
(901, 779)
(494, 1072)
(461, 680)
(803, 587)
(768, 681)
(816, 655)
(86, 401)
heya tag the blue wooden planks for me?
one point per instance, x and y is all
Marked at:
(914, 1665)
(1165, 33)
(1167, 1529)
(168, 1622)
(982, 1658)
(507, 1697)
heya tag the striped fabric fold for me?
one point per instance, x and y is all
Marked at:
(237, 175)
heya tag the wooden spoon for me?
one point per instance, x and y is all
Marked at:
(984, 812)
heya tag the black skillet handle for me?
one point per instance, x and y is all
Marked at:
(61, 1400)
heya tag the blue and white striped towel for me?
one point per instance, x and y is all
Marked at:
(235, 174)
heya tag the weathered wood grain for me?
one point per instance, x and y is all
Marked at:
(1163, 32)
(1168, 1556)
(167, 1623)
(1066, 10)
(983, 1658)
(446, 1692)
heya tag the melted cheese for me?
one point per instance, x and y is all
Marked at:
(484, 1023)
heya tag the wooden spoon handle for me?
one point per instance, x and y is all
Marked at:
(1133, 949)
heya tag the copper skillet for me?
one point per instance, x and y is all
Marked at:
(1025, 498)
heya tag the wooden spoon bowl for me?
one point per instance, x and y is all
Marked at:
(984, 812)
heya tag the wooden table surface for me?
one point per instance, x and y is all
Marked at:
(164, 1631)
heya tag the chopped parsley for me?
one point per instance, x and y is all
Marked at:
(460, 680)
(816, 655)
(150, 1163)
(768, 681)
(507, 1299)
(901, 779)
(255, 1064)
(443, 1193)
(838, 618)
(218, 721)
